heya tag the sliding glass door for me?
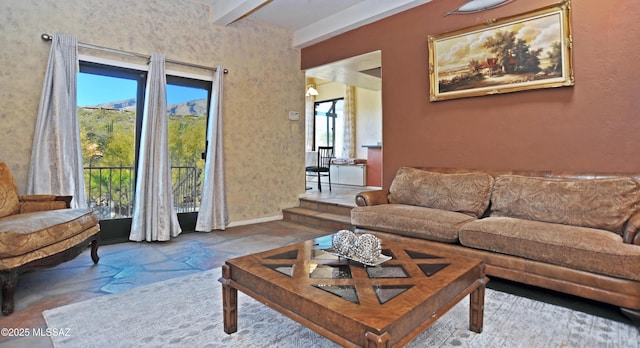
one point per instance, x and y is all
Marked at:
(110, 109)
(329, 124)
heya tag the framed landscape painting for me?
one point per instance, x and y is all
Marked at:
(523, 52)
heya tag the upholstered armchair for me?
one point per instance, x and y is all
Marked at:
(38, 231)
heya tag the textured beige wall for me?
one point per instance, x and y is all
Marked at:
(263, 149)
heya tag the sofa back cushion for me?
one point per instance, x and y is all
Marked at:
(467, 193)
(9, 201)
(597, 203)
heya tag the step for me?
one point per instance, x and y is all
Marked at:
(314, 218)
(325, 207)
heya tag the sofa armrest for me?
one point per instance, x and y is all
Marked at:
(33, 203)
(368, 198)
(632, 230)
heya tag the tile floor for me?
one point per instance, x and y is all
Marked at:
(126, 265)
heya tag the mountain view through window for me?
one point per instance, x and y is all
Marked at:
(110, 104)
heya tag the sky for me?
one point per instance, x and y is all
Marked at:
(96, 89)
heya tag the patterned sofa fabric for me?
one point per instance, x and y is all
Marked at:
(412, 221)
(9, 202)
(596, 203)
(466, 193)
(33, 203)
(37, 231)
(23, 233)
(7, 263)
(582, 248)
(573, 232)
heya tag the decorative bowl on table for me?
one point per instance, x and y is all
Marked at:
(364, 248)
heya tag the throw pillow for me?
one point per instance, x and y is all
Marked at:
(597, 203)
(467, 193)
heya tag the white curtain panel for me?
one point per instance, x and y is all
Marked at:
(213, 213)
(56, 155)
(154, 216)
(349, 142)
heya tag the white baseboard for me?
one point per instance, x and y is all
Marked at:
(255, 221)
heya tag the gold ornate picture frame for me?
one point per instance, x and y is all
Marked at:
(528, 51)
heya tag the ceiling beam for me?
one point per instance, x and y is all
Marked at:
(353, 17)
(228, 11)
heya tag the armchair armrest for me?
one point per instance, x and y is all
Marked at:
(632, 230)
(368, 198)
(33, 203)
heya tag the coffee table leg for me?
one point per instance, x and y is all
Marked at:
(476, 309)
(377, 341)
(229, 302)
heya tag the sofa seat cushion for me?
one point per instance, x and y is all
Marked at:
(49, 250)
(23, 233)
(597, 203)
(408, 220)
(467, 193)
(581, 248)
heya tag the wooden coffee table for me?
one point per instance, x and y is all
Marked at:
(352, 304)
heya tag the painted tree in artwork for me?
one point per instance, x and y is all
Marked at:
(555, 58)
(514, 55)
(526, 60)
(501, 45)
(474, 65)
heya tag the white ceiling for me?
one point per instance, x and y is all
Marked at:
(362, 71)
(311, 21)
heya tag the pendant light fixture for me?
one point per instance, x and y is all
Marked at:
(473, 6)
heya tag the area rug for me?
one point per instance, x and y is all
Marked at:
(186, 312)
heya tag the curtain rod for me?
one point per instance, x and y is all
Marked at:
(48, 37)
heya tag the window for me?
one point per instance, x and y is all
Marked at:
(328, 128)
(108, 112)
(110, 109)
(188, 108)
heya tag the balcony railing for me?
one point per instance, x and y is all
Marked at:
(110, 190)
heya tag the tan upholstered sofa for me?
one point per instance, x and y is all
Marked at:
(38, 231)
(569, 232)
